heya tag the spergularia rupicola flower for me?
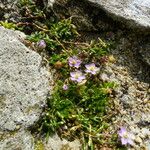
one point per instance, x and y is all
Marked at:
(77, 76)
(74, 62)
(65, 87)
(126, 137)
(91, 68)
(41, 44)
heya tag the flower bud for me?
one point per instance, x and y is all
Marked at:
(41, 44)
(65, 87)
(58, 65)
(111, 59)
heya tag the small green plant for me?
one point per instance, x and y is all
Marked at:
(76, 109)
(25, 2)
(79, 102)
(55, 58)
(39, 145)
(99, 48)
(63, 30)
(56, 35)
(8, 25)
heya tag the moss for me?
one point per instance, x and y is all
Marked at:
(39, 145)
(8, 25)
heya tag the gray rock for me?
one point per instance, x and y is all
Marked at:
(24, 82)
(21, 140)
(55, 143)
(136, 13)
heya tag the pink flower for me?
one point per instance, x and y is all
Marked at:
(74, 62)
(126, 137)
(91, 68)
(41, 44)
(77, 76)
(65, 87)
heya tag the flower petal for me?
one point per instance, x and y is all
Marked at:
(73, 79)
(72, 74)
(82, 77)
(124, 141)
(87, 66)
(129, 141)
(65, 87)
(122, 131)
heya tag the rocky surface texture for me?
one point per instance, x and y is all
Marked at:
(21, 140)
(24, 84)
(9, 10)
(132, 103)
(135, 13)
(99, 19)
(51, 144)
(133, 94)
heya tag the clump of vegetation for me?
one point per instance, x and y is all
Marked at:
(80, 103)
(8, 25)
(54, 37)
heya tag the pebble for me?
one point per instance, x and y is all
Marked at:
(138, 140)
